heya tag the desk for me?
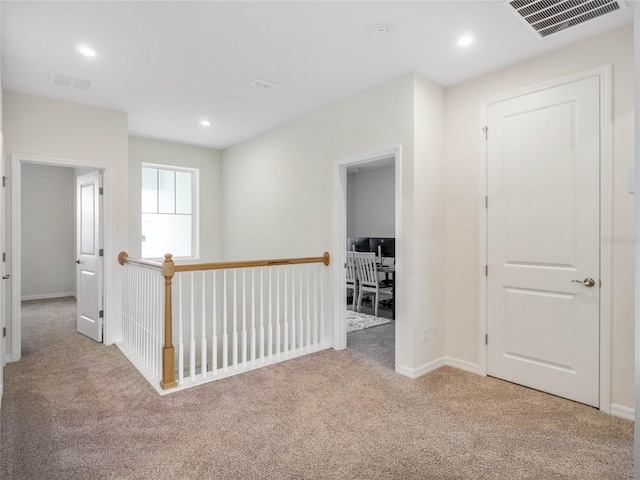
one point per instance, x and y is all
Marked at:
(390, 270)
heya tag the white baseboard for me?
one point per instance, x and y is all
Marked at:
(8, 358)
(462, 365)
(623, 412)
(414, 373)
(114, 339)
(48, 295)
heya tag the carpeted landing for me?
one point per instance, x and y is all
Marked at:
(74, 409)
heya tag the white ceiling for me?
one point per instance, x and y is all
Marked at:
(170, 64)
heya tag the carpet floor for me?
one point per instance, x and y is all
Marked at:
(75, 409)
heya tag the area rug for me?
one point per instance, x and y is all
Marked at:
(359, 321)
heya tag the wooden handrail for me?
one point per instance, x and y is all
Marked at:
(197, 267)
(124, 257)
(169, 268)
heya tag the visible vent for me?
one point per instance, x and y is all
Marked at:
(69, 81)
(546, 17)
(265, 85)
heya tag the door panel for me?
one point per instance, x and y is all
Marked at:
(543, 233)
(89, 271)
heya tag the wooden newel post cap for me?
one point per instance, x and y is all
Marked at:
(122, 256)
(168, 257)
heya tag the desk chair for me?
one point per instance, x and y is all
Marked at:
(352, 277)
(368, 278)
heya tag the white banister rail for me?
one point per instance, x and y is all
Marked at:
(221, 323)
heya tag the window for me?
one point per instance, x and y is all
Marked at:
(169, 211)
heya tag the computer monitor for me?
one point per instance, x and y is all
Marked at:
(359, 244)
(385, 247)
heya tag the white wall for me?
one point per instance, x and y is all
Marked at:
(208, 161)
(48, 231)
(463, 203)
(64, 130)
(371, 203)
(278, 191)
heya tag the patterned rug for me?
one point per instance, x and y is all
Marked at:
(359, 321)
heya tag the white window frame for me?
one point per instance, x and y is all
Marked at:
(195, 208)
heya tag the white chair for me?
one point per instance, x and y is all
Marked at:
(368, 278)
(352, 277)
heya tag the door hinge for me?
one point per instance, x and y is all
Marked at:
(4, 332)
(486, 339)
(101, 252)
(4, 256)
(486, 202)
(101, 191)
(486, 270)
(485, 130)
(101, 314)
(4, 181)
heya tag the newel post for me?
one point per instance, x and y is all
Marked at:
(168, 352)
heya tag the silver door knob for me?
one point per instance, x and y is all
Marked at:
(587, 282)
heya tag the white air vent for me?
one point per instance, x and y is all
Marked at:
(547, 17)
(265, 85)
(69, 81)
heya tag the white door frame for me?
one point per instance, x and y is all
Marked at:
(17, 159)
(606, 217)
(340, 236)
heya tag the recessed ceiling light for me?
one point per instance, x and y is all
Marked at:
(380, 32)
(87, 51)
(205, 123)
(465, 40)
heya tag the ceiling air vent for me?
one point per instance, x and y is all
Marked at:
(265, 84)
(547, 17)
(69, 81)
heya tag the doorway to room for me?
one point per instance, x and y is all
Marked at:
(366, 256)
(57, 243)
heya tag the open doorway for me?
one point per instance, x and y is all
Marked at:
(55, 223)
(368, 215)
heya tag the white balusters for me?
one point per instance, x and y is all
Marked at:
(215, 338)
(244, 317)
(225, 337)
(203, 333)
(270, 333)
(293, 314)
(235, 320)
(180, 342)
(301, 342)
(308, 305)
(286, 322)
(262, 315)
(214, 327)
(253, 316)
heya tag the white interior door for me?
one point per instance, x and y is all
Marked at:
(543, 240)
(89, 269)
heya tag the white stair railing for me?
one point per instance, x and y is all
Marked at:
(221, 323)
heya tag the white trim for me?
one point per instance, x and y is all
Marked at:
(606, 217)
(621, 411)
(463, 365)
(17, 159)
(340, 235)
(7, 358)
(46, 296)
(414, 373)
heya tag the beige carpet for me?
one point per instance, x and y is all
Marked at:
(74, 409)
